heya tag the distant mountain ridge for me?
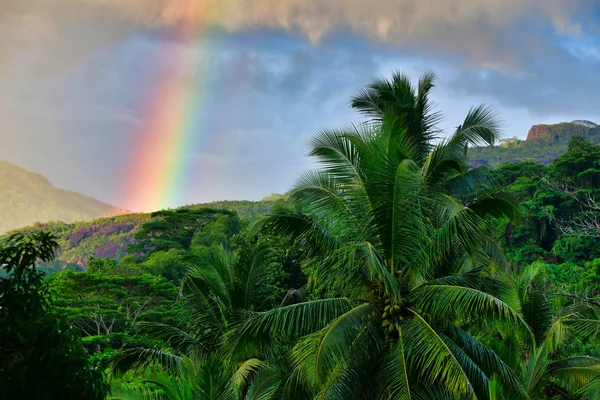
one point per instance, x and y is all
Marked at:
(27, 197)
(543, 144)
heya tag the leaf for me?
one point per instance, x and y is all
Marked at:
(319, 353)
(432, 359)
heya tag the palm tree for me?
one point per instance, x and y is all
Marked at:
(396, 224)
(544, 375)
(208, 377)
(216, 288)
(221, 283)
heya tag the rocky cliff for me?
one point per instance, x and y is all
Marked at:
(561, 131)
(544, 143)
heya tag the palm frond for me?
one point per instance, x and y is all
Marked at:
(244, 374)
(123, 391)
(536, 307)
(340, 206)
(495, 204)
(579, 376)
(487, 361)
(590, 391)
(139, 358)
(448, 302)
(432, 359)
(427, 391)
(475, 278)
(317, 354)
(265, 385)
(341, 152)
(393, 377)
(297, 227)
(173, 336)
(287, 322)
(253, 270)
(480, 127)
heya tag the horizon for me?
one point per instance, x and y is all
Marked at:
(257, 199)
(150, 105)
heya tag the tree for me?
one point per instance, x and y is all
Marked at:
(397, 225)
(575, 176)
(106, 301)
(40, 354)
(206, 377)
(218, 232)
(175, 229)
(543, 374)
(219, 284)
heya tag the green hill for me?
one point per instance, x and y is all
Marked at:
(85, 227)
(109, 237)
(27, 197)
(543, 144)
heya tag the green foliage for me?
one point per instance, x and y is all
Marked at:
(177, 229)
(170, 264)
(110, 237)
(217, 232)
(247, 210)
(106, 300)
(535, 187)
(396, 227)
(580, 166)
(195, 377)
(381, 275)
(219, 285)
(41, 356)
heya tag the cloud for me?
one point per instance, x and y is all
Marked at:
(566, 84)
(75, 75)
(483, 30)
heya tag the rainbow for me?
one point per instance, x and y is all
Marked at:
(174, 121)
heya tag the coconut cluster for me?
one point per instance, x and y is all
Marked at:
(392, 315)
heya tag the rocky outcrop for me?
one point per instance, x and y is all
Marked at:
(544, 143)
(584, 122)
(561, 131)
(537, 132)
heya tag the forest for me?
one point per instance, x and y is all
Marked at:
(393, 270)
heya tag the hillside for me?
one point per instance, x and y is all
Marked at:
(543, 144)
(245, 209)
(27, 197)
(109, 237)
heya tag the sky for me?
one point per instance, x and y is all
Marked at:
(94, 94)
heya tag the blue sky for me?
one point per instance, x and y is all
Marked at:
(75, 74)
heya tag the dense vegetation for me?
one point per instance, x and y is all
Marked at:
(40, 357)
(110, 237)
(393, 271)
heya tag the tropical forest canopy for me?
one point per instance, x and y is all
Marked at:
(394, 270)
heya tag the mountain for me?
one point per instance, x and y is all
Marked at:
(27, 197)
(543, 144)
